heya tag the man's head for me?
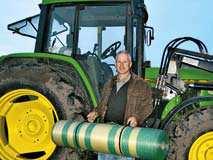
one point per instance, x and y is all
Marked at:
(123, 62)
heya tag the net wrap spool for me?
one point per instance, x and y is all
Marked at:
(144, 143)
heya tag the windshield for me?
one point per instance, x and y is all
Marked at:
(95, 26)
(99, 24)
(85, 33)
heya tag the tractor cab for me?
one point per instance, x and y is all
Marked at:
(75, 51)
(91, 33)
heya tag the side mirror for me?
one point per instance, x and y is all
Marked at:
(149, 35)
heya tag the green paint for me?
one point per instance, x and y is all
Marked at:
(185, 74)
(195, 74)
(88, 134)
(206, 103)
(124, 141)
(170, 105)
(65, 59)
(111, 139)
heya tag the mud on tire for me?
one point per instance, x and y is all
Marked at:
(184, 132)
(58, 82)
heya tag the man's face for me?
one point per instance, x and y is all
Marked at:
(123, 64)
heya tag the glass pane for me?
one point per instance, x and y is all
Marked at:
(99, 28)
(87, 39)
(26, 27)
(60, 37)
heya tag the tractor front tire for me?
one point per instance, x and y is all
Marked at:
(34, 94)
(191, 136)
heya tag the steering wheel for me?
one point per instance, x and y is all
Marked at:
(111, 50)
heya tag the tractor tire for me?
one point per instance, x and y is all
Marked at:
(184, 134)
(34, 94)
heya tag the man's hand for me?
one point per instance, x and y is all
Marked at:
(92, 116)
(132, 121)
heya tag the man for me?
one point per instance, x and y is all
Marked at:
(126, 98)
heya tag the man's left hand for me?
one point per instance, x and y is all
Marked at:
(132, 121)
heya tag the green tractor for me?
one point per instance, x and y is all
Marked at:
(76, 45)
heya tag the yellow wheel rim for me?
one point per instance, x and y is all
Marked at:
(26, 121)
(202, 148)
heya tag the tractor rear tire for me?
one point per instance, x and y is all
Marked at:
(184, 134)
(50, 82)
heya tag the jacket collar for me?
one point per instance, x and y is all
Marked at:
(114, 79)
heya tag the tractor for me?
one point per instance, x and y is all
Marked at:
(75, 50)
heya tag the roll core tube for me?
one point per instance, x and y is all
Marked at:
(147, 143)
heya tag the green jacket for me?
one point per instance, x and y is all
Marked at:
(139, 99)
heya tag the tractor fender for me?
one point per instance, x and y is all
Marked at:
(62, 59)
(185, 104)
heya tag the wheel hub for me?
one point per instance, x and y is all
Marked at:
(202, 148)
(33, 127)
(26, 119)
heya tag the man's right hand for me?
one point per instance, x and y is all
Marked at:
(92, 116)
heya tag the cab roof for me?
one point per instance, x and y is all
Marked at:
(68, 1)
(45, 2)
